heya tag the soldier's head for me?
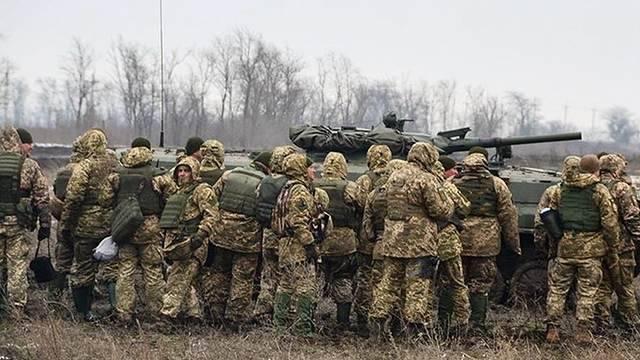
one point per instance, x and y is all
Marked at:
(26, 140)
(137, 156)
(141, 142)
(277, 157)
(449, 166)
(479, 150)
(10, 139)
(212, 152)
(612, 164)
(92, 142)
(335, 166)
(263, 161)
(589, 164)
(475, 162)
(378, 156)
(423, 154)
(296, 166)
(395, 164)
(570, 167)
(312, 170)
(187, 170)
(192, 148)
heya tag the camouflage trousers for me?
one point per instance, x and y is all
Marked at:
(479, 273)
(269, 278)
(63, 253)
(108, 270)
(149, 258)
(369, 272)
(587, 273)
(298, 280)
(627, 306)
(453, 290)
(14, 252)
(409, 278)
(180, 291)
(227, 286)
(85, 267)
(338, 274)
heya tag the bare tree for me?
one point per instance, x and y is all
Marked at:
(524, 113)
(445, 101)
(486, 113)
(7, 70)
(78, 69)
(250, 52)
(622, 128)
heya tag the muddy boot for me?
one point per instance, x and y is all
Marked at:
(583, 334)
(82, 299)
(281, 310)
(362, 326)
(479, 304)
(342, 316)
(553, 334)
(305, 310)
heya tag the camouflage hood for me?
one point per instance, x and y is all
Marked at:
(423, 154)
(92, 142)
(136, 157)
(212, 154)
(475, 163)
(192, 163)
(10, 140)
(75, 151)
(378, 156)
(334, 166)
(613, 164)
(295, 167)
(570, 168)
(277, 157)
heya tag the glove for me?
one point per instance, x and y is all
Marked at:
(310, 252)
(196, 241)
(44, 233)
(66, 235)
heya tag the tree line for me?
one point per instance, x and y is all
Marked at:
(247, 92)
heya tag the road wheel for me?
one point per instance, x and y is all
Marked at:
(529, 284)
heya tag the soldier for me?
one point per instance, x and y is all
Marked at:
(138, 178)
(591, 231)
(83, 221)
(187, 219)
(64, 247)
(268, 192)
(212, 164)
(415, 201)
(192, 148)
(338, 249)
(493, 218)
(378, 157)
(295, 208)
(23, 196)
(612, 170)
(237, 242)
(375, 210)
(453, 294)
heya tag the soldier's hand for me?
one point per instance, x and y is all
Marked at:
(44, 233)
(310, 252)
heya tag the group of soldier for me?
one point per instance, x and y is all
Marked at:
(411, 245)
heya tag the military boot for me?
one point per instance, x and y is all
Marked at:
(553, 334)
(583, 333)
(305, 310)
(281, 309)
(82, 299)
(343, 312)
(479, 305)
(58, 284)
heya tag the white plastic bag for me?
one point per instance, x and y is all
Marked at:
(106, 250)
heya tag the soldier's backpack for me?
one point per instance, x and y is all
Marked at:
(269, 189)
(127, 219)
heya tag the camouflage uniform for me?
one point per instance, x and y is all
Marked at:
(612, 167)
(580, 252)
(237, 241)
(291, 219)
(200, 213)
(378, 157)
(33, 193)
(453, 294)
(145, 247)
(493, 218)
(270, 270)
(338, 249)
(83, 218)
(415, 201)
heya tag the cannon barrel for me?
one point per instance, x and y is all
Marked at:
(466, 144)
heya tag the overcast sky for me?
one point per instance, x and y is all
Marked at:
(577, 52)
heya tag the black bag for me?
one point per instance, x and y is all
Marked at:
(41, 266)
(127, 218)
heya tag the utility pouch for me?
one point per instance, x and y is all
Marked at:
(127, 218)
(552, 223)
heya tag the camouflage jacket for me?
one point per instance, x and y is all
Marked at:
(449, 243)
(82, 218)
(583, 245)
(416, 236)
(482, 236)
(32, 180)
(542, 241)
(149, 231)
(626, 202)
